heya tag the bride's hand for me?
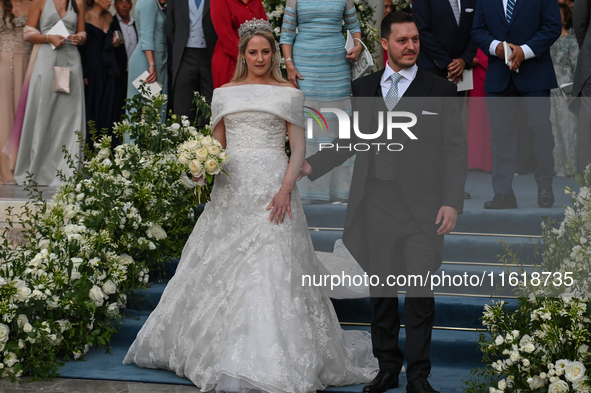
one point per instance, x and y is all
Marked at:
(280, 205)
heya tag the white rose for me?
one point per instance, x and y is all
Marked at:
(212, 167)
(195, 168)
(104, 152)
(515, 356)
(190, 145)
(201, 154)
(175, 126)
(4, 331)
(97, 296)
(21, 320)
(207, 141)
(574, 372)
(107, 163)
(213, 150)
(109, 287)
(44, 244)
(499, 340)
(27, 328)
(70, 211)
(125, 173)
(183, 159)
(529, 348)
(581, 387)
(36, 261)
(583, 348)
(502, 384)
(156, 232)
(23, 293)
(224, 157)
(525, 363)
(126, 259)
(535, 382)
(558, 387)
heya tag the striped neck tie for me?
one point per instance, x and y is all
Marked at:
(456, 9)
(510, 9)
(392, 97)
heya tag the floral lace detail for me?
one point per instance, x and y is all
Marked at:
(235, 314)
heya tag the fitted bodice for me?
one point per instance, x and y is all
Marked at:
(11, 34)
(255, 130)
(50, 16)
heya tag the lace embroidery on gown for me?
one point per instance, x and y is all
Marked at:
(235, 316)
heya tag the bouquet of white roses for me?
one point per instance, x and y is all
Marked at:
(204, 157)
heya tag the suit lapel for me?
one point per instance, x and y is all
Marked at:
(417, 92)
(501, 11)
(450, 11)
(518, 4)
(205, 7)
(184, 7)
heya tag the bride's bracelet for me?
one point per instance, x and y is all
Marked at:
(281, 189)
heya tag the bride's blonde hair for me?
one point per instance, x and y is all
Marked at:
(242, 69)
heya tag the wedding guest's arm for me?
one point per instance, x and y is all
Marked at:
(352, 24)
(33, 21)
(147, 38)
(288, 36)
(80, 37)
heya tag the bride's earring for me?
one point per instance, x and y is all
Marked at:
(244, 61)
(272, 59)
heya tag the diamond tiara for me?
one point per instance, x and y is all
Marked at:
(253, 25)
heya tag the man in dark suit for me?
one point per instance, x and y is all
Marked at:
(582, 83)
(445, 26)
(401, 202)
(189, 28)
(124, 23)
(530, 27)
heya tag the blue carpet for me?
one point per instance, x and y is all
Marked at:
(454, 353)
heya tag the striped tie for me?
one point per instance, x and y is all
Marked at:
(392, 96)
(456, 9)
(510, 9)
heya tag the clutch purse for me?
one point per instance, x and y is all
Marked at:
(363, 64)
(61, 80)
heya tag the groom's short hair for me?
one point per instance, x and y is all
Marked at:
(392, 18)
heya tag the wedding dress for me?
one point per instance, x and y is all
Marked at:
(235, 317)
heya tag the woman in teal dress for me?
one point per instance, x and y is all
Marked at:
(318, 64)
(151, 52)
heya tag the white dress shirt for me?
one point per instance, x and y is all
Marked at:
(529, 54)
(129, 35)
(408, 75)
(196, 34)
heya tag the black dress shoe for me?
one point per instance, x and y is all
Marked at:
(502, 201)
(420, 385)
(386, 379)
(545, 197)
(467, 195)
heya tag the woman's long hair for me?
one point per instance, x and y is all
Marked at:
(242, 69)
(7, 12)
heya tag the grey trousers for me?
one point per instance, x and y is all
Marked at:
(194, 74)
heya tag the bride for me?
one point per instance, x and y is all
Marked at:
(235, 317)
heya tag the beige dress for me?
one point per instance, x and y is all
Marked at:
(14, 58)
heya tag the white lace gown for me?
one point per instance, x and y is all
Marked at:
(235, 316)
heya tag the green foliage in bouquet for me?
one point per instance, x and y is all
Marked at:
(115, 221)
(365, 14)
(543, 345)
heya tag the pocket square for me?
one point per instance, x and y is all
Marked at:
(469, 10)
(429, 113)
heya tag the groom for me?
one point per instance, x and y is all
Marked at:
(402, 203)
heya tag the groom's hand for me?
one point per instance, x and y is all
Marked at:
(305, 170)
(447, 216)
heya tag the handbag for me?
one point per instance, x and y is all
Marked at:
(61, 80)
(363, 64)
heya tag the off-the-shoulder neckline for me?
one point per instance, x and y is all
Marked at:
(257, 84)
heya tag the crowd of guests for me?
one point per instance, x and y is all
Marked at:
(54, 84)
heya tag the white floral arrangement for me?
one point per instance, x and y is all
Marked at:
(543, 344)
(204, 157)
(108, 229)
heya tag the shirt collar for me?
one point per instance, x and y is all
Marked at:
(131, 20)
(406, 73)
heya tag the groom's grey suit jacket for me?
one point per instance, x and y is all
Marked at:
(432, 169)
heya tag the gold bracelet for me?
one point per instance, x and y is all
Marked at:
(46, 37)
(281, 189)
